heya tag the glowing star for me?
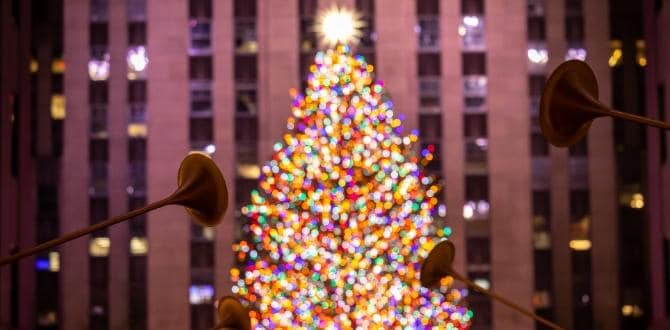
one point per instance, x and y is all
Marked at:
(339, 25)
(343, 215)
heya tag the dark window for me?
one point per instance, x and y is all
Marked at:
(137, 10)
(99, 209)
(57, 83)
(201, 67)
(137, 91)
(137, 293)
(15, 127)
(541, 203)
(476, 188)
(574, 30)
(474, 102)
(245, 69)
(472, 7)
(579, 204)
(478, 250)
(98, 35)
(97, 92)
(475, 125)
(201, 8)
(243, 188)
(429, 64)
(201, 130)
(245, 8)
(430, 126)
(137, 150)
(99, 10)
(536, 29)
(474, 64)
(366, 7)
(202, 316)
(202, 255)
(427, 7)
(307, 8)
(137, 33)
(538, 145)
(246, 129)
(98, 150)
(536, 84)
(579, 149)
(99, 293)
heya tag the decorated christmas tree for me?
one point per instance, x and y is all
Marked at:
(343, 215)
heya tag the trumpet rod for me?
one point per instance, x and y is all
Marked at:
(504, 301)
(639, 119)
(81, 232)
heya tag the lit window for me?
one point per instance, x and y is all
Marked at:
(137, 130)
(139, 246)
(428, 31)
(541, 240)
(482, 282)
(580, 244)
(541, 299)
(209, 149)
(245, 37)
(248, 171)
(471, 30)
(98, 69)
(208, 233)
(58, 66)
(57, 107)
(637, 201)
(99, 247)
(200, 294)
(474, 85)
(631, 311)
(34, 65)
(575, 54)
(640, 50)
(538, 55)
(47, 318)
(616, 55)
(54, 261)
(137, 62)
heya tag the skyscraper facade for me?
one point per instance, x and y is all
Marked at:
(148, 81)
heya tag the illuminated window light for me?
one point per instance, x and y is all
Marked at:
(248, 171)
(98, 70)
(138, 60)
(208, 233)
(210, 149)
(541, 240)
(54, 261)
(575, 54)
(139, 246)
(339, 25)
(637, 201)
(640, 54)
(34, 65)
(616, 55)
(58, 66)
(47, 318)
(41, 264)
(99, 247)
(200, 294)
(482, 282)
(631, 311)
(471, 21)
(468, 211)
(580, 244)
(541, 299)
(538, 56)
(137, 130)
(57, 107)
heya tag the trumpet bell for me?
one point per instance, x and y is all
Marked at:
(201, 189)
(569, 103)
(438, 264)
(232, 315)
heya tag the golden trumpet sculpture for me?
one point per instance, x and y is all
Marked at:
(570, 103)
(201, 189)
(232, 315)
(439, 265)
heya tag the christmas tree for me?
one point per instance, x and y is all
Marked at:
(343, 215)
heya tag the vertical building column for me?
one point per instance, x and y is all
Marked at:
(453, 152)
(509, 160)
(168, 228)
(224, 137)
(325, 4)
(278, 60)
(395, 52)
(559, 182)
(602, 176)
(74, 277)
(117, 180)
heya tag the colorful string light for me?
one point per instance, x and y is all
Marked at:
(343, 215)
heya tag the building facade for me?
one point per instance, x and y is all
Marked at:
(148, 81)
